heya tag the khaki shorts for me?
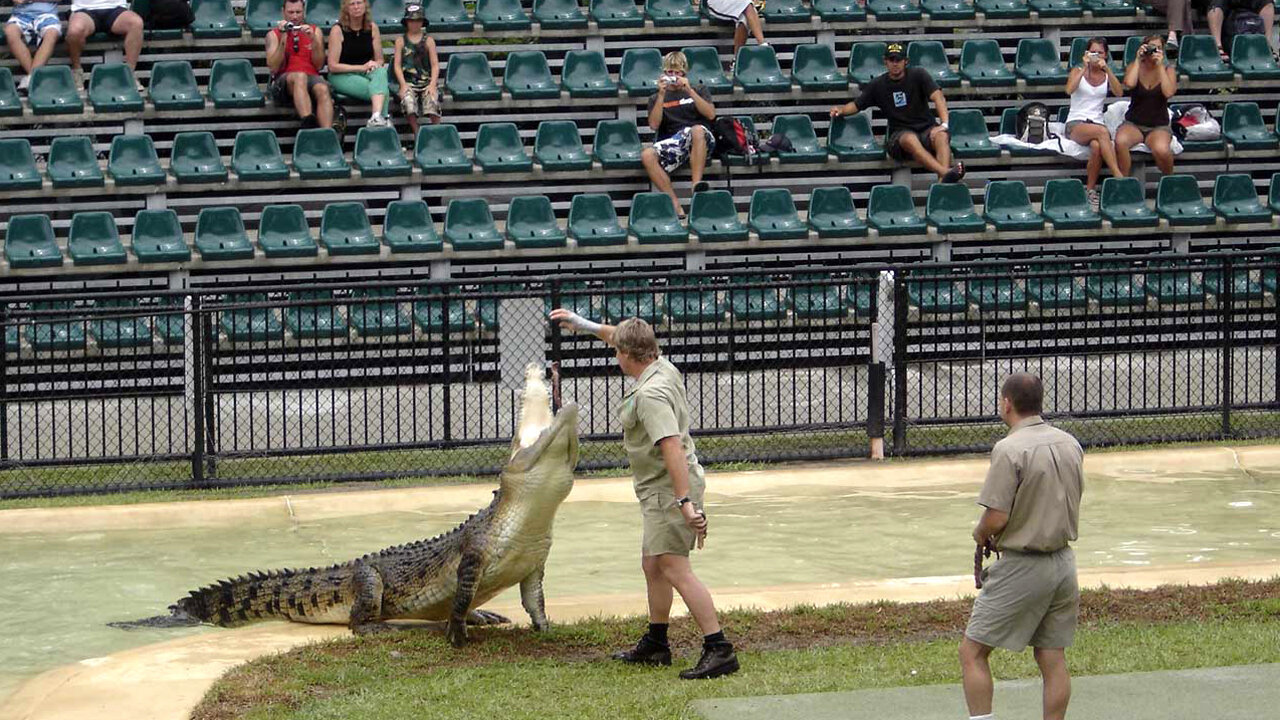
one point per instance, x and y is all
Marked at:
(419, 101)
(665, 531)
(1027, 599)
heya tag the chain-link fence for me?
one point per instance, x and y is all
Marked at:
(342, 381)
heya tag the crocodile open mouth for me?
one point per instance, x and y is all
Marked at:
(539, 427)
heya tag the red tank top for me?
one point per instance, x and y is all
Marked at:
(296, 59)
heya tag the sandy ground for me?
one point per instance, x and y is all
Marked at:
(164, 681)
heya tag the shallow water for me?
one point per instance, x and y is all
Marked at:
(59, 590)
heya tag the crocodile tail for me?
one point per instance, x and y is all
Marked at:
(274, 595)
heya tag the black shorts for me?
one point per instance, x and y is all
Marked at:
(894, 144)
(1226, 6)
(279, 87)
(104, 19)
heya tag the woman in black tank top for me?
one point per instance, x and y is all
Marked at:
(356, 68)
(1150, 84)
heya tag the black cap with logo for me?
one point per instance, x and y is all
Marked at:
(895, 51)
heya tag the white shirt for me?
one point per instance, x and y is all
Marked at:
(82, 5)
(1087, 100)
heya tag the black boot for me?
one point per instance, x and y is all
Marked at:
(717, 660)
(646, 652)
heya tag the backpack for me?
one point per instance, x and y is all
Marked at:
(1241, 22)
(1032, 125)
(169, 15)
(733, 138)
(1192, 121)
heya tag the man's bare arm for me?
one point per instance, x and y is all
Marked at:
(990, 525)
(570, 320)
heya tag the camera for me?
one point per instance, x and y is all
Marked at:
(671, 79)
(1148, 50)
(290, 27)
(1092, 55)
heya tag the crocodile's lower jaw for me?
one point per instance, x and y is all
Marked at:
(535, 408)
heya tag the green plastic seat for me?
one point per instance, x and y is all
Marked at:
(73, 163)
(173, 86)
(261, 15)
(617, 145)
(1124, 204)
(705, 69)
(256, 156)
(1008, 207)
(1066, 206)
(1174, 283)
(558, 146)
(1038, 63)
(1243, 127)
(232, 84)
(585, 75)
(436, 313)
(850, 139)
(713, 216)
(699, 302)
(1057, 8)
(819, 301)
(46, 335)
(969, 138)
(804, 141)
(932, 57)
(408, 228)
(499, 149)
(950, 209)
(283, 232)
(319, 321)
(18, 166)
(317, 154)
(593, 222)
(757, 304)
(936, 293)
(447, 16)
(250, 324)
(1252, 58)
(840, 10)
(528, 77)
(133, 161)
(1111, 8)
(948, 9)
(10, 103)
(1060, 291)
(169, 320)
(1115, 284)
(653, 220)
(1244, 288)
(558, 14)
(469, 77)
(1198, 58)
(438, 151)
(773, 216)
(1236, 200)
(1178, 200)
(378, 153)
(386, 14)
(94, 240)
(995, 295)
(813, 67)
(894, 10)
(866, 61)
(29, 243)
(575, 295)
(757, 70)
(468, 225)
(53, 91)
(126, 331)
(640, 70)
(982, 64)
(376, 312)
(832, 214)
(1003, 9)
(112, 89)
(671, 13)
(501, 15)
(860, 296)
(785, 11)
(616, 14)
(195, 158)
(1273, 198)
(345, 230)
(157, 237)
(636, 299)
(531, 223)
(214, 19)
(891, 211)
(220, 235)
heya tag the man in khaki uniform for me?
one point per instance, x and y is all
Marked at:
(1029, 596)
(669, 485)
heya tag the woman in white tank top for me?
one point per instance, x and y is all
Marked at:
(1088, 85)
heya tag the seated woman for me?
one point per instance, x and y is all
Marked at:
(1150, 84)
(355, 59)
(1088, 86)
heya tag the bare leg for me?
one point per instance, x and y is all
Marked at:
(1158, 141)
(377, 101)
(1057, 681)
(1268, 15)
(911, 145)
(1126, 137)
(18, 47)
(978, 686)
(659, 177)
(79, 28)
(1214, 17)
(1103, 150)
(297, 83)
(941, 147)
(48, 42)
(413, 122)
(739, 39)
(697, 155)
(324, 105)
(754, 24)
(1094, 166)
(677, 570)
(661, 594)
(129, 24)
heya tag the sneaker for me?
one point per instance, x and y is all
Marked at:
(1095, 200)
(717, 660)
(733, 68)
(378, 120)
(646, 652)
(24, 83)
(137, 84)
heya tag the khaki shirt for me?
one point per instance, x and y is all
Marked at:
(1036, 475)
(655, 408)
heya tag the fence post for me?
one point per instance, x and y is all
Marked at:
(448, 379)
(899, 363)
(875, 407)
(1227, 316)
(555, 346)
(4, 382)
(196, 326)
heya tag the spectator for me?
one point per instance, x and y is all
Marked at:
(295, 53)
(1180, 17)
(1150, 84)
(1220, 9)
(902, 95)
(34, 25)
(679, 114)
(108, 16)
(417, 69)
(1088, 86)
(744, 16)
(355, 59)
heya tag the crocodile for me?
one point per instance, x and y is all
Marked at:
(445, 578)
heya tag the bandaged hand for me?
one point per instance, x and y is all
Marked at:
(570, 320)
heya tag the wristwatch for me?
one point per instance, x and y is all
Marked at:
(680, 502)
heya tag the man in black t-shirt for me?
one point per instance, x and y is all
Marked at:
(902, 95)
(680, 115)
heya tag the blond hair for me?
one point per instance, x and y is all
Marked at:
(634, 337)
(675, 61)
(344, 17)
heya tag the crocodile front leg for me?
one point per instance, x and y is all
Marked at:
(468, 577)
(533, 600)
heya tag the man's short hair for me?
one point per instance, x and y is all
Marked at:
(1025, 391)
(675, 61)
(287, 3)
(634, 337)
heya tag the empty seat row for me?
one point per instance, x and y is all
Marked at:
(113, 88)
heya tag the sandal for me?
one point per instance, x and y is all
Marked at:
(955, 174)
(1226, 59)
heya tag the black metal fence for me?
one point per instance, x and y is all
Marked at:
(286, 383)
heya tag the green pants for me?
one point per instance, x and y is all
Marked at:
(360, 85)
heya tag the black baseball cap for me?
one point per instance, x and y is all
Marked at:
(895, 51)
(413, 11)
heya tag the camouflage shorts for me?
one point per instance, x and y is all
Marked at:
(674, 151)
(421, 102)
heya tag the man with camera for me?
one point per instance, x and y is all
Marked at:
(679, 114)
(295, 53)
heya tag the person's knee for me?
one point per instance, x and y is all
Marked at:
(50, 35)
(11, 32)
(127, 23)
(78, 28)
(649, 156)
